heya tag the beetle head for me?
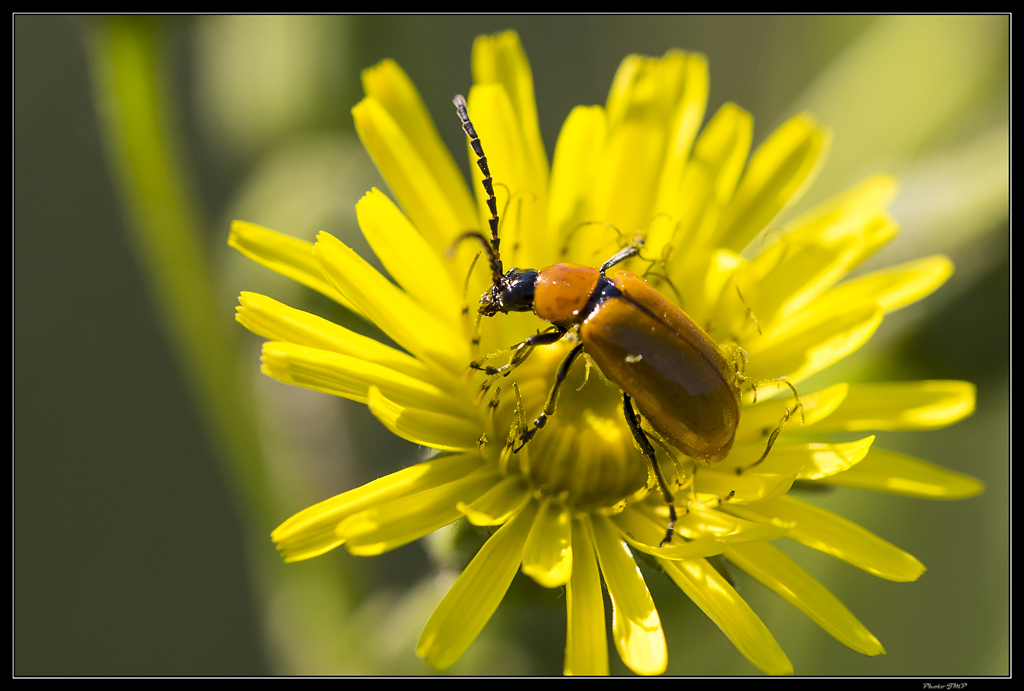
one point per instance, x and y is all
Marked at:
(512, 293)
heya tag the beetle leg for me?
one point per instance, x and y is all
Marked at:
(521, 351)
(771, 439)
(739, 361)
(549, 407)
(648, 451)
(619, 257)
(754, 383)
(750, 312)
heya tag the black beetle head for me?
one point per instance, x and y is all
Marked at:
(513, 294)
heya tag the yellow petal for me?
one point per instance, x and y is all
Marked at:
(702, 285)
(722, 150)
(390, 308)
(845, 213)
(436, 430)
(730, 612)
(702, 522)
(547, 556)
(741, 530)
(749, 487)
(867, 197)
(894, 287)
(523, 211)
(477, 592)
(424, 197)
(645, 533)
(825, 459)
(286, 255)
(683, 127)
(642, 101)
(831, 534)
(578, 156)
(278, 322)
(636, 626)
(390, 86)
(812, 341)
(810, 461)
(782, 575)
(500, 59)
(808, 261)
(310, 532)
(711, 177)
(888, 471)
(349, 377)
(410, 260)
(902, 405)
(386, 526)
(499, 503)
(586, 643)
(761, 419)
(777, 174)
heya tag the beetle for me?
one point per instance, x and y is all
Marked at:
(664, 363)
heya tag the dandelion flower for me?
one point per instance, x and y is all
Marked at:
(573, 506)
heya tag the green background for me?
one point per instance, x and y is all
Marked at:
(136, 549)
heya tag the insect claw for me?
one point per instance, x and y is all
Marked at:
(670, 531)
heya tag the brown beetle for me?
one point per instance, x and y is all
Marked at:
(657, 355)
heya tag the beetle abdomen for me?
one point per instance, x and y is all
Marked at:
(673, 370)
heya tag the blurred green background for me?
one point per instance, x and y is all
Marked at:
(151, 460)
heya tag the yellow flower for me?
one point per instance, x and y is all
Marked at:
(573, 505)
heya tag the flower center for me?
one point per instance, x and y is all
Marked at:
(585, 454)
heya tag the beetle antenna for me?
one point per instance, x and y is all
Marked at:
(582, 224)
(481, 161)
(492, 257)
(474, 329)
